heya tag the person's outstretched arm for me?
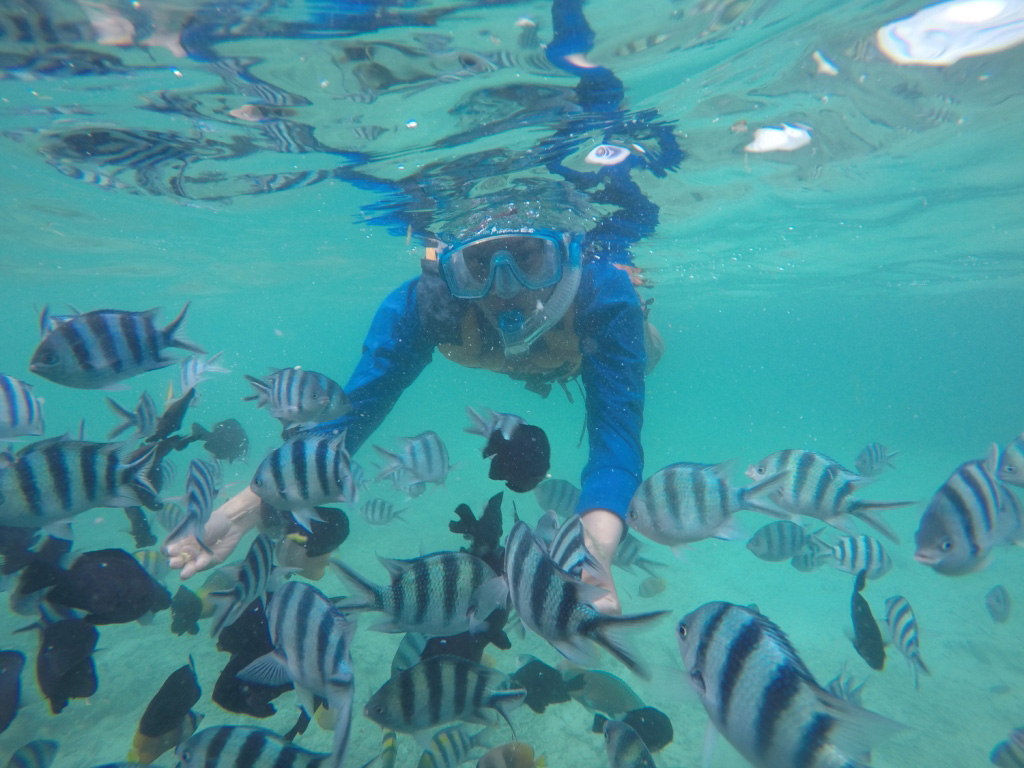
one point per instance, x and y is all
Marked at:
(394, 353)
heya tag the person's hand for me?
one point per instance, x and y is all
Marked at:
(602, 530)
(225, 528)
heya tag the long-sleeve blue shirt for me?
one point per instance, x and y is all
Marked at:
(610, 326)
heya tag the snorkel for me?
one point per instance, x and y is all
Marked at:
(518, 333)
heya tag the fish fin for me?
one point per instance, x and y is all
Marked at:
(306, 515)
(395, 567)
(505, 701)
(611, 632)
(710, 741)
(488, 596)
(369, 593)
(270, 669)
(128, 419)
(579, 650)
(478, 425)
(181, 343)
(59, 529)
(856, 729)
(723, 469)
(384, 625)
(730, 531)
(864, 510)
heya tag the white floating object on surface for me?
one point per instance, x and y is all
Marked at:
(941, 35)
(785, 138)
(606, 154)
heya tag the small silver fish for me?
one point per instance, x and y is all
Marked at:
(298, 396)
(873, 459)
(423, 457)
(998, 603)
(21, 413)
(230, 746)
(559, 495)
(822, 488)
(491, 422)
(853, 554)
(899, 616)
(779, 541)
(380, 512)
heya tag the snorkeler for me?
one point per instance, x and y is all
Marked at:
(542, 305)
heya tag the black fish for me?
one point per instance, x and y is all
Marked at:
(246, 640)
(110, 586)
(471, 646)
(323, 537)
(867, 638)
(16, 548)
(544, 685)
(522, 461)
(652, 725)
(186, 609)
(26, 597)
(11, 664)
(140, 527)
(168, 719)
(170, 420)
(227, 440)
(64, 668)
(484, 533)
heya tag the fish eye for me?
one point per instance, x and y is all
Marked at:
(1009, 469)
(258, 482)
(315, 396)
(682, 630)
(946, 545)
(50, 358)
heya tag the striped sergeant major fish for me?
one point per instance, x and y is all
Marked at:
(969, 515)
(569, 549)
(143, 418)
(100, 348)
(451, 746)
(899, 616)
(853, 554)
(50, 481)
(250, 583)
(308, 471)
(439, 690)
(35, 754)
(437, 595)
(779, 541)
(1011, 463)
(195, 369)
(820, 487)
(491, 422)
(405, 483)
(687, 502)
(423, 457)
(560, 608)
(200, 491)
(1010, 753)
(559, 495)
(298, 396)
(388, 750)
(763, 699)
(873, 460)
(312, 641)
(241, 746)
(21, 413)
(380, 511)
(624, 747)
(627, 556)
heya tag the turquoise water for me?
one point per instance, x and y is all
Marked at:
(864, 288)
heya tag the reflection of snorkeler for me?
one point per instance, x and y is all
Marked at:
(539, 305)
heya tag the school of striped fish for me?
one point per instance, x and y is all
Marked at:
(456, 700)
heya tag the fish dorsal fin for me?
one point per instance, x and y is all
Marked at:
(723, 469)
(394, 566)
(991, 463)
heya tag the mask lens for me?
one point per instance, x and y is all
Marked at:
(533, 260)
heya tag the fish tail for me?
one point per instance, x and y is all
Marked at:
(856, 729)
(262, 396)
(751, 498)
(136, 478)
(611, 633)
(368, 593)
(478, 426)
(128, 419)
(175, 325)
(865, 510)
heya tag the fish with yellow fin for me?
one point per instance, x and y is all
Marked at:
(168, 719)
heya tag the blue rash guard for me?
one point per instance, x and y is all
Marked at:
(609, 324)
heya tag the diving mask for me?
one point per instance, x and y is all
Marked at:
(505, 263)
